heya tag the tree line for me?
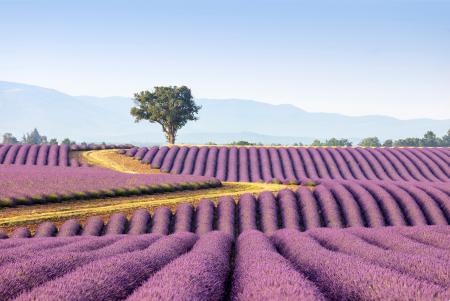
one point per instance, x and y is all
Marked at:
(429, 139)
(33, 137)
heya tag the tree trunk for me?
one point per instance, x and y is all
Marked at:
(170, 137)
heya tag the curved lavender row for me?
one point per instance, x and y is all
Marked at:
(39, 273)
(428, 162)
(53, 155)
(222, 163)
(330, 163)
(355, 169)
(150, 154)
(409, 165)
(244, 164)
(288, 209)
(388, 205)
(266, 168)
(42, 158)
(412, 212)
(70, 227)
(63, 155)
(183, 218)
(177, 166)
(261, 273)
(161, 221)
(287, 164)
(320, 165)
(233, 165)
(93, 227)
(350, 209)
(139, 155)
(247, 213)
(21, 232)
(268, 212)
(398, 242)
(131, 152)
(368, 170)
(334, 273)
(200, 274)
(30, 249)
(204, 217)
(438, 240)
(159, 157)
(117, 224)
(422, 267)
(372, 212)
(309, 208)
(211, 162)
(32, 155)
(329, 207)
(255, 169)
(115, 277)
(167, 164)
(46, 229)
(21, 157)
(378, 170)
(200, 162)
(276, 164)
(23, 184)
(4, 151)
(188, 167)
(11, 155)
(140, 222)
(298, 163)
(398, 166)
(226, 215)
(424, 167)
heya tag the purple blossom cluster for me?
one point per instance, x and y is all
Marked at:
(331, 204)
(30, 184)
(294, 165)
(385, 263)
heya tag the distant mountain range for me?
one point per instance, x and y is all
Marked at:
(96, 119)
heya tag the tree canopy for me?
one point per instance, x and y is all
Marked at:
(171, 107)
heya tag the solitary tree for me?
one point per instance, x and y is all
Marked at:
(172, 107)
(8, 138)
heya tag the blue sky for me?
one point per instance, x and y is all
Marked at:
(354, 57)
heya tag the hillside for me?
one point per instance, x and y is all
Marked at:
(56, 114)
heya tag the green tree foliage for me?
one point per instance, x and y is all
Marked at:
(243, 142)
(34, 138)
(388, 143)
(53, 141)
(332, 142)
(8, 138)
(171, 107)
(370, 142)
(67, 141)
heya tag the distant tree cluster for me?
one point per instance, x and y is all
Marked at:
(429, 140)
(33, 137)
(332, 142)
(243, 143)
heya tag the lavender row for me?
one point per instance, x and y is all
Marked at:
(291, 165)
(386, 263)
(44, 154)
(332, 204)
(20, 185)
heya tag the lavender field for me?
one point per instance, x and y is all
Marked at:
(388, 263)
(294, 164)
(45, 154)
(332, 204)
(21, 185)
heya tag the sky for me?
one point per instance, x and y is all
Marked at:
(356, 57)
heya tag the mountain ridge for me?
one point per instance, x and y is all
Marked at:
(91, 118)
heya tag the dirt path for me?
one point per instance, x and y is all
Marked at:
(112, 160)
(31, 215)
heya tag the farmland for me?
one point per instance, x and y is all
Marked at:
(221, 222)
